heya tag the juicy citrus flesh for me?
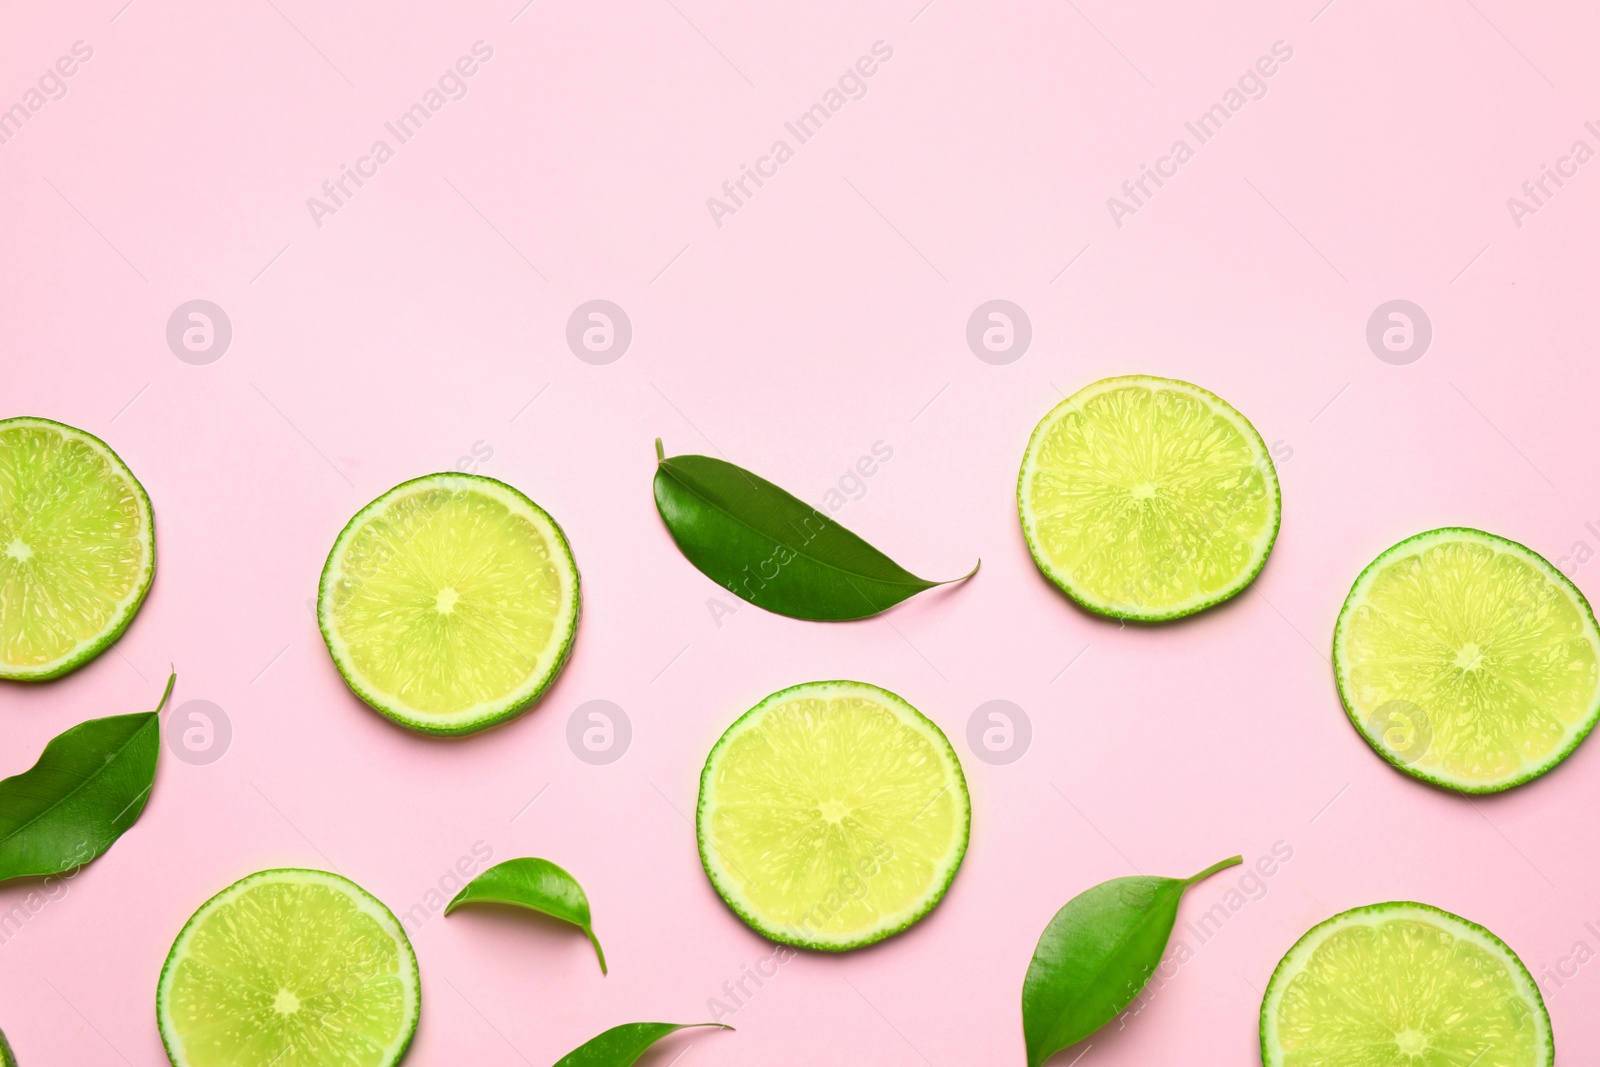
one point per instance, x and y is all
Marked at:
(832, 815)
(293, 969)
(77, 547)
(1148, 498)
(1468, 660)
(1403, 985)
(449, 600)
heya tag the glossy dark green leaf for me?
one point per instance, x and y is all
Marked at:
(89, 785)
(1095, 956)
(767, 546)
(536, 884)
(622, 1045)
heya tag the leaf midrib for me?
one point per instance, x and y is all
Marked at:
(115, 755)
(919, 585)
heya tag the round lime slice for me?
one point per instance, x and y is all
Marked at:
(450, 602)
(77, 548)
(1403, 984)
(289, 968)
(1147, 498)
(832, 815)
(1467, 660)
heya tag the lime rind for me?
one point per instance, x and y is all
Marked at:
(1341, 667)
(1125, 610)
(128, 606)
(1294, 961)
(368, 904)
(487, 713)
(727, 886)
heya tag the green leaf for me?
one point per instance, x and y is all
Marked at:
(766, 546)
(536, 884)
(1095, 956)
(622, 1045)
(88, 787)
(6, 1057)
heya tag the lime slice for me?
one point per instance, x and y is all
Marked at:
(832, 815)
(449, 603)
(1403, 985)
(77, 548)
(1147, 498)
(1467, 660)
(289, 968)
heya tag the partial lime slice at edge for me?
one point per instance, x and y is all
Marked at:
(239, 968)
(1455, 606)
(1376, 989)
(88, 549)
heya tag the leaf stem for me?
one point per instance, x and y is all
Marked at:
(171, 680)
(1232, 861)
(964, 577)
(661, 453)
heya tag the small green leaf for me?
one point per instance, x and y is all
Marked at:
(1095, 956)
(88, 787)
(766, 546)
(536, 884)
(622, 1045)
(7, 1059)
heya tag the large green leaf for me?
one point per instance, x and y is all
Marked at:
(536, 884)
(89, 785)
(1095, 956)
(767, 546)
(622, 1045)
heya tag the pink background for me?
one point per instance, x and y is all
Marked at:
(827, 314)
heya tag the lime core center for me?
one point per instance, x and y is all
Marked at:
(286, 1003)
(19, 551)
(1411, 1042)
(1143, 491)
(1469, 656)
(833, 810)
(445, 602)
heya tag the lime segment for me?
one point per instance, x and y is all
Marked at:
(832, 815)
(1147, 498)
(1467, 660)
(289, 968)
(1403, 985)
(450, 603)
(77, 548)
